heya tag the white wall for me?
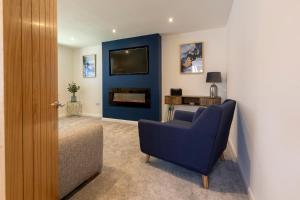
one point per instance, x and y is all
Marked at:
(70, 68)
(65, 75)
(263, 76)
(90, 93)
(193, 84)
(2, 150)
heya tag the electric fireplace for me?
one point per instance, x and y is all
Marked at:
(132, 97)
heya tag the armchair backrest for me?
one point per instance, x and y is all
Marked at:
(221, 139)
(212, 129)
(203, 134)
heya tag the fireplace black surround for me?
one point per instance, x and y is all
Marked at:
(130, 97)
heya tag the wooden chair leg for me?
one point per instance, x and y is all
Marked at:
(222, 157)
(205, 181)
(147, 158)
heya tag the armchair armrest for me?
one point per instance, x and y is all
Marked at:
(156, 137)
(154, 127)
(184, 115)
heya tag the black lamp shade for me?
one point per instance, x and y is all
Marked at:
(213, 77)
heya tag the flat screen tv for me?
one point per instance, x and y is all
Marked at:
(129, 61)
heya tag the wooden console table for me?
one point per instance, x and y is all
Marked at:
(190, 101)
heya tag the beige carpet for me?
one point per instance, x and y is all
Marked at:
(126, 175)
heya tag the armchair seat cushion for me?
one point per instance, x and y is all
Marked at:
(180, 122)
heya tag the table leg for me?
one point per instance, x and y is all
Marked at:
(171, 109)
(169, 117)
(172, 112)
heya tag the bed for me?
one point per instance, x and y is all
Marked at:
(80, 151)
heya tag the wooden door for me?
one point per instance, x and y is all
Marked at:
(30, 87)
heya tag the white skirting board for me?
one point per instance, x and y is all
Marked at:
(83, 114)
(234, 154)
(120, 121)
(92, 115)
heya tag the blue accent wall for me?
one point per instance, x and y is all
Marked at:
(151, 80)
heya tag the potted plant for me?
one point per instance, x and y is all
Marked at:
(73, 88)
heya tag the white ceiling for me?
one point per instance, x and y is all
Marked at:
(90, 22)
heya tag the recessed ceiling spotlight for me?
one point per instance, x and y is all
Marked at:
(171, 20)
(72, 38)
(114, 30)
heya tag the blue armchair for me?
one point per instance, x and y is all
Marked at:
(193, 140)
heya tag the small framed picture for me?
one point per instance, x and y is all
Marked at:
(89, 66)
(191, 58)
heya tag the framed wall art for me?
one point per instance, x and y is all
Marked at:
(89, 66)
(191, 58)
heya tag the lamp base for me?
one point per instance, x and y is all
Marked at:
(213, 91)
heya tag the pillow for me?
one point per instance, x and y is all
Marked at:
(198, 113)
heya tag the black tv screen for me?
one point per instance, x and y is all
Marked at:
(129, 61)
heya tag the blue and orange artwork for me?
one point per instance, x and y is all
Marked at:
(191, 58)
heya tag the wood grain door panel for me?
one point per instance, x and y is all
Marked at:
(12, 33)
(30, 86)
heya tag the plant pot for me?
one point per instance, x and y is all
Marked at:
(73, 98)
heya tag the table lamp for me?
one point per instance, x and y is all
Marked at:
(213, 77)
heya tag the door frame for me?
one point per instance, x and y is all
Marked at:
(2, 147)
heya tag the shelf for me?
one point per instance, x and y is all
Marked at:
(192, 100)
